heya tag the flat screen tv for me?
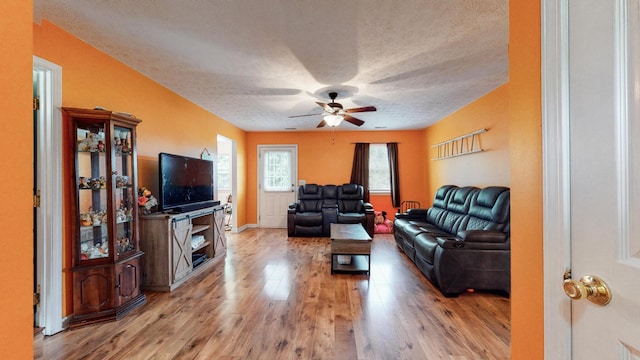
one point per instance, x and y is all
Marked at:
(186, 183)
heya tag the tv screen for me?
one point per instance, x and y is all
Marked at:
(186, 183)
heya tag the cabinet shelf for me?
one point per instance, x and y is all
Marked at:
(201, 246)
(199, 228)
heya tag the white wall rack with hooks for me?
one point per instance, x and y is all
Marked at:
(458, 146)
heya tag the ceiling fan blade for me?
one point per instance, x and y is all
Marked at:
(295, 116)
(361, 109)
(326, 107)
(322, 124)
(353, 120)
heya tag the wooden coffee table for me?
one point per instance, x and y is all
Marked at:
(353, 240)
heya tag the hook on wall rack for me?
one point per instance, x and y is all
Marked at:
(458, 146)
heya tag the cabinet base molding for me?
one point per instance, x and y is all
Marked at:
(108, 315)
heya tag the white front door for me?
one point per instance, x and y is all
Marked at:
(604, 170)
(277, 173)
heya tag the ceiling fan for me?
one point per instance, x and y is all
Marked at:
(334, 113)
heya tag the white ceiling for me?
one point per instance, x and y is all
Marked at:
(256, 62)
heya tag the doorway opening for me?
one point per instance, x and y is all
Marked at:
(47, 85)
(226, 171)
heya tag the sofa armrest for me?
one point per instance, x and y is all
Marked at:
(413, 214)
(487, 236)
(456, 242)
(329, 216)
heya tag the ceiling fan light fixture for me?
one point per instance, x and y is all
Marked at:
(333, 120)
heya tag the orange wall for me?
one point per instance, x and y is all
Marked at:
(16, 211)
(527, 291)
(170, 123)
(490, 167)
(322, 161)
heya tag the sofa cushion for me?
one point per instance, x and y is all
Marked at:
(350, 199)
(460, 199)
(442, 196)
(425, 245)
(309, 218)
(490, 210)
(351, 218)
(310, 198)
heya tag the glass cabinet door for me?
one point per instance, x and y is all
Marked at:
(125, 195)
(91, 173)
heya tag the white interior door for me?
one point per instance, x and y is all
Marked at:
(278, 173)
(604, 117)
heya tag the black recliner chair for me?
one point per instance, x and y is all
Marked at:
(352, 209)
(304, 217)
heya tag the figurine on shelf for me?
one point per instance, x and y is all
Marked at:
(122, 181)
(93, 141)
(146, 201)
(96, 218)
(123, 244)
(82, 183)
(124, 140)
(86, 220)
(95, 183)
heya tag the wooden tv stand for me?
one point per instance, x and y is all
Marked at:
(166, 240)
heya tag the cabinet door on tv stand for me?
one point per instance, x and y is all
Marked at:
(181, 244)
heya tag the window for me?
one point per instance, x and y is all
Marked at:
(224, 172)
(277, 170)
(379, 177)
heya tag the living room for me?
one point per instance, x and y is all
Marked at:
(92, 78)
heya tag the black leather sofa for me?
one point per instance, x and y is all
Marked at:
(320, 205)
(463, 241)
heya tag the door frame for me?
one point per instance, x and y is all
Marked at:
(260, 171)
(555, 176)
(49, 218)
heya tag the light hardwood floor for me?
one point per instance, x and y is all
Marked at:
(271, 297)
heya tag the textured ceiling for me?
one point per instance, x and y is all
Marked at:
(256, 62)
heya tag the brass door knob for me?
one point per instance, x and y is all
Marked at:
(589, 287)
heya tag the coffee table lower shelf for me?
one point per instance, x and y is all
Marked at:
(360, 264)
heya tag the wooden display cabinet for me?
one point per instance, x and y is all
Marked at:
(106, 256)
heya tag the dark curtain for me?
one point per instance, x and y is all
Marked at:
(392, 151)
(360, 168)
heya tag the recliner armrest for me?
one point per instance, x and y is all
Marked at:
(293, 207)
(488, 236)
(368, 207)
